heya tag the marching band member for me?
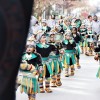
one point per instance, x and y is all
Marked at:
(67, 25)
(45, 26)
(31, 40)
(77, 38)
(69, 57)
(30, 66)
(60, 21)
(58, 29)
(44, 50)
(56, 61)
(83, 32)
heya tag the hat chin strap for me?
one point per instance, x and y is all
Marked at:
(28, 52)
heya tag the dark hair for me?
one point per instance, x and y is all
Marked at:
(52, 35)
(89, 16)
(53, 16)
(37, 22)
(75, 29)
(42, 35)
(61, 17)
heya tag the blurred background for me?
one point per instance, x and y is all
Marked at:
(71, 8)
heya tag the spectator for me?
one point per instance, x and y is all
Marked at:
(89, 21)
(96, 25)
